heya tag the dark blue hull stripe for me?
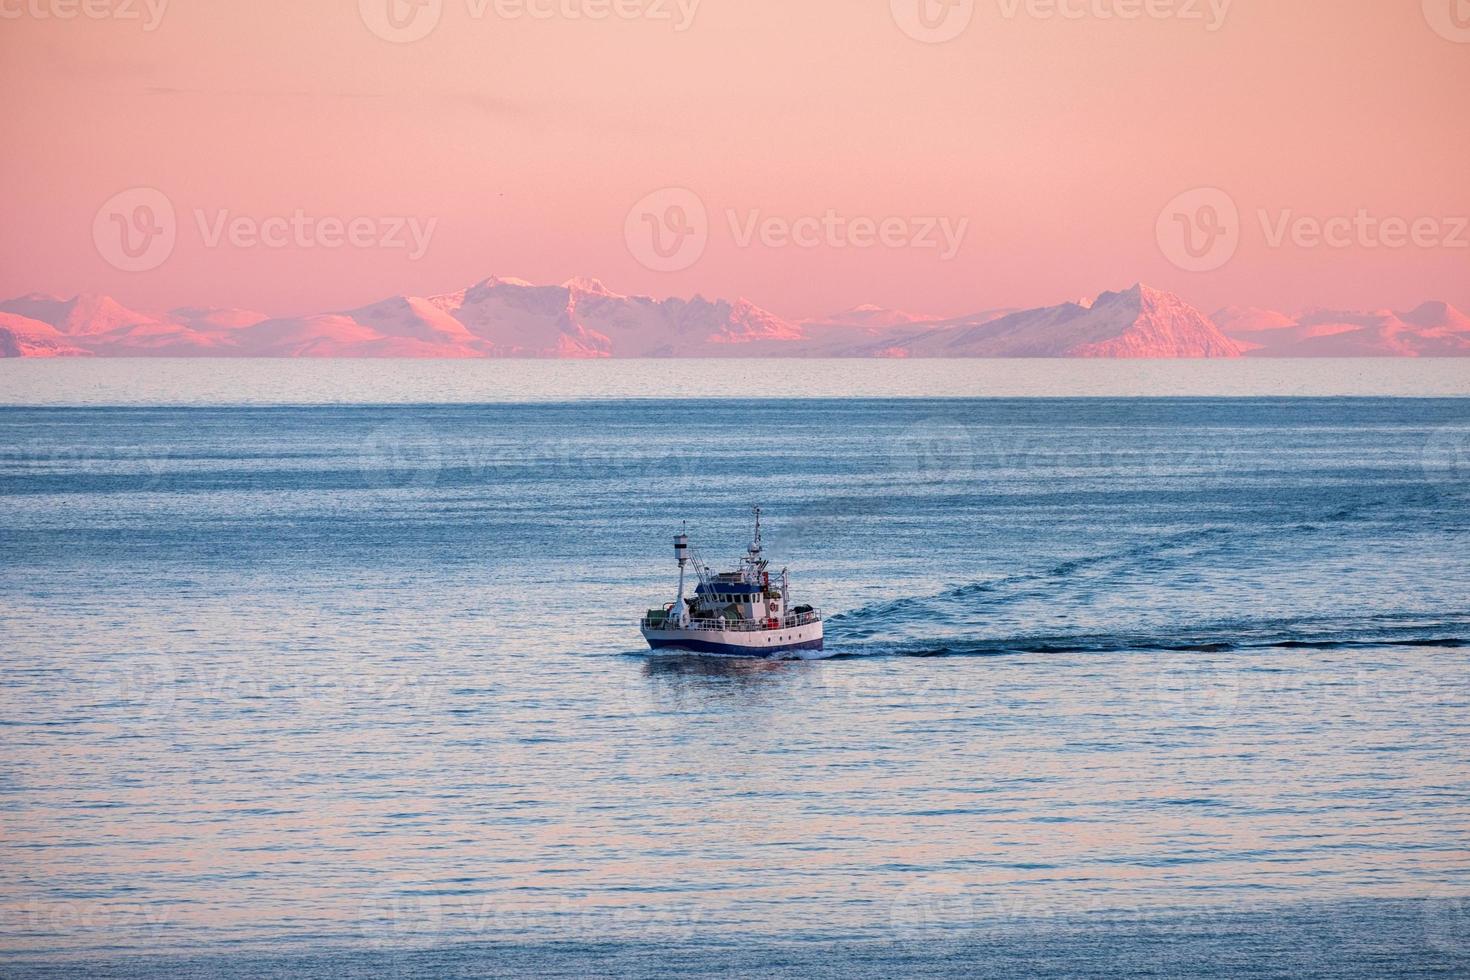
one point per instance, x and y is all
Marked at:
(731, 650)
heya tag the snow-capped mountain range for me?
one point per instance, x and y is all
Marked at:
(582, 318)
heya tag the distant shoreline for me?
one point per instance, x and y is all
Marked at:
(355, 381)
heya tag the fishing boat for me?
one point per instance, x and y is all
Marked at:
(743, 613)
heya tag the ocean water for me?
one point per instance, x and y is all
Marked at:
(1165, 684)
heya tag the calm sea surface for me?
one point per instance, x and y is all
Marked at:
(1122, 683)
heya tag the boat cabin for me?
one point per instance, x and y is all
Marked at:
(731, 597)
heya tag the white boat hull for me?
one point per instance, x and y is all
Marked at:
(791, 642)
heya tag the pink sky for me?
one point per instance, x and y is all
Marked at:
(528, 140)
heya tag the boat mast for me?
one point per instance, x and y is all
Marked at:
(681, 552)
(754, 564)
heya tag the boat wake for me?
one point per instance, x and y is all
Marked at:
(990, 618)
(1220, 637)
(1150, 557)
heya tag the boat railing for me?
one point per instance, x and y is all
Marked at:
(735, 625)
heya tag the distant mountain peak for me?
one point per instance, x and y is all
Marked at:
(1136, 293)
(1432, 329)
(88, 312)
(1437, 314)
(586, 284)
(22, 336)
(490, 282)
(1138, 322)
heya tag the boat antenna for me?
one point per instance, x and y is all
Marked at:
(755, 546)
